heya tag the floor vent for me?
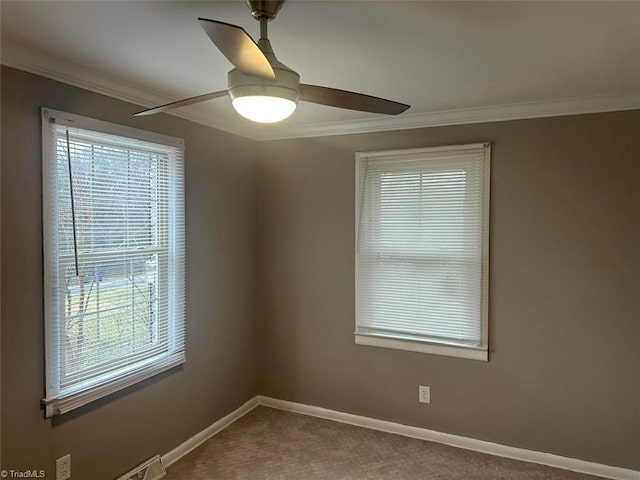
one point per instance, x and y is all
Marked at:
(152, 469)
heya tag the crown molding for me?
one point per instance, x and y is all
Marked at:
(76, 75)
(491, 113)
(79, 76)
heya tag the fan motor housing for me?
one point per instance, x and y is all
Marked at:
(264, 8)
(286, 85)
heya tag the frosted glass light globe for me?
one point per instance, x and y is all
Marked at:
(264, 109)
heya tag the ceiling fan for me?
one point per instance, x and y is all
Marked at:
(263, 89)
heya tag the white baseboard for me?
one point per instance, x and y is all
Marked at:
(201, 437)
(490, 448)
(522, 454)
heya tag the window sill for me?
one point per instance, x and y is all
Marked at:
(62, 404)
(469, 353)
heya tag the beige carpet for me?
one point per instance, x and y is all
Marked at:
(270, 444)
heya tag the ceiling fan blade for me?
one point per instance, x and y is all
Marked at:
(351, 100)
(239, 48)
(181, 103)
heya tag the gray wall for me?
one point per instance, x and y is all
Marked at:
(564, 374)
(113, 435)
(565, 276)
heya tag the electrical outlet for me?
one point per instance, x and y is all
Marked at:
(424, 394)
(63, 467)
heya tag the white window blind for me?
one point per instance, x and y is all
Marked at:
(422, 250)
(114, 253)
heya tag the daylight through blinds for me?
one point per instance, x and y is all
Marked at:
(120, 316)
(420, 245)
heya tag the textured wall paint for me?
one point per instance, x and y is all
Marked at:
(564, 374)
(111, 436)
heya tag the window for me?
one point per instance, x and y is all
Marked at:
(422, 250)
(113, 224)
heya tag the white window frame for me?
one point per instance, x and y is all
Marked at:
(59, 399)
(410, 343)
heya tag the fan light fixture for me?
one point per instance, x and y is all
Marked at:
(264, 109)
(265, 100)
(263, 89)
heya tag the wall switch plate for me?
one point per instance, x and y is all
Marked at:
(424, 394)
(63, 467)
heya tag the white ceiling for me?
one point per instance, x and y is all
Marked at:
(454, 62)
